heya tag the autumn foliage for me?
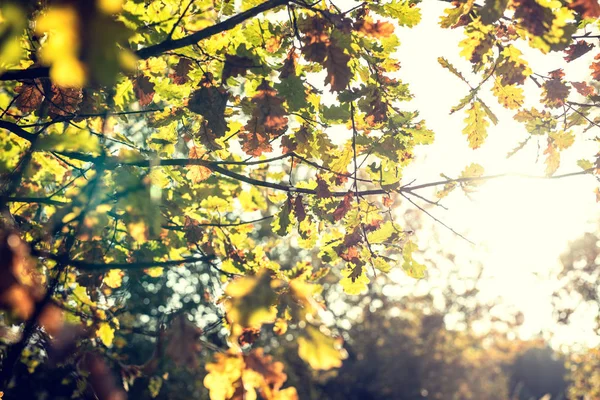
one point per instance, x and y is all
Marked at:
(187, 178)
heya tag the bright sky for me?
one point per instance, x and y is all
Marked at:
(521, 225)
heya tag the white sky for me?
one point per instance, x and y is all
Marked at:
(521, 226)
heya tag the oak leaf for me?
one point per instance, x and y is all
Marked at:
(210, 101)
(476, 128)
(555, 93)
(30, 97)
(583, 88)
(20, 285)
(267, 122)
(577, 50)
(322, 188)
(587, 8)
(338, 71)
(289, 65)
(319, 350)
(236, 66)
(299, 209)
(180, 72)
(595, 67)
(315, 39)
(143, 89)
(379, 29)
(197, 173)
(344, 206)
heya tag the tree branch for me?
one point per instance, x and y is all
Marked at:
(167, 45)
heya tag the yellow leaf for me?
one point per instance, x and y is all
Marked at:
(138, 231)
(106, 334)
(318, 350)
(154, 272)
(68, 72)
(114, 278)
(476, 128)
(110, 6)
(222, 375)
(509, 96)
(251, 300)
(354, 285)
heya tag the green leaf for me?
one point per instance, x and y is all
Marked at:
(446, 64)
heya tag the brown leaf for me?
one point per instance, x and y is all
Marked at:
(210, 101)
(52, 319)
(338, 71)
(289, 66)
(143, 89)
(180, 73)
(208, 138)
(272, 372)
(249, 336)
(197, 173)
(344, 206)
(101, 378)
(377, 29)
(64, 101)
(587, 8)
(583, 88)
(193, 231)
(577, 49)
(377, 111)
(236, 66)
(315, 39)
(595, 67)
(20, 285)
(30, 97)
(268, 121)
(322, 188)
(182, 342)
(299, 209)
(533, 16)
(555, 93)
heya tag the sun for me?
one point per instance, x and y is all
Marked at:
(521, 227)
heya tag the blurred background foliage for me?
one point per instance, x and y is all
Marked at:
(426, 342)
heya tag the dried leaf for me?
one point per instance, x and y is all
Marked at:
(143, 89)
(180, 73)
(267, 122)
(379, 29)
(583, 88)
(577, 50)
(236, 66)
(344, 206)
(197, 173)
(30, 97)
(210, 101)
(338, 71)
(587, 8)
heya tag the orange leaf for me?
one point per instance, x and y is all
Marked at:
(197, 173)
(344, 206)
(377, 29)
(587, 8)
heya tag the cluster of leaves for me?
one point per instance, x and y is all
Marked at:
(139, 136)
(491, 44)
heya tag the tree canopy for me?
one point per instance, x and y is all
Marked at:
(170, 168)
